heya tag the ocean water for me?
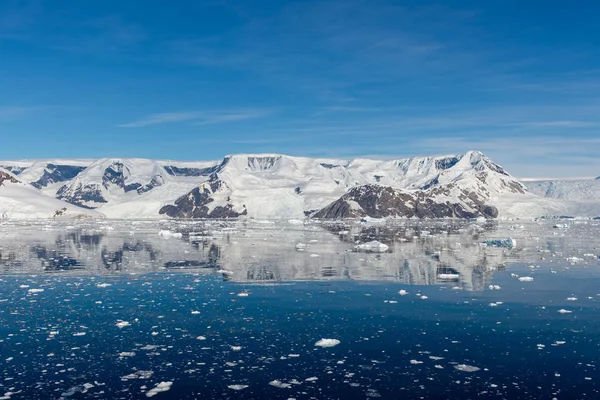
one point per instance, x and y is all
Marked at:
(199, 310)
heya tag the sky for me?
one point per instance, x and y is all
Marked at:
(196, 80)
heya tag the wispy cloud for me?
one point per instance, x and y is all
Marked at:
(7, 113)
(197, 117)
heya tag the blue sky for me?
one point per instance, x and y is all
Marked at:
(189, 80)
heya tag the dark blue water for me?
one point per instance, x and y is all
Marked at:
(523, 348)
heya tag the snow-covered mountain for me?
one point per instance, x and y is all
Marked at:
(267, 186)
(20, 200)
(275, 186)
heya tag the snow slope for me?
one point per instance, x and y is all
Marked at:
(20, 200)
(566, 189)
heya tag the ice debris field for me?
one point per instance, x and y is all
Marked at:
(124, 310)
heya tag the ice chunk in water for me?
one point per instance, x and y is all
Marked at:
(526, 279)
(237, 387)
(327, 343)
(466, 368)
(122, 324)
(372, 246)
(161, 387)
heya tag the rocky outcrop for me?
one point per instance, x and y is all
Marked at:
(381, 201)
(197, 204)
(6, 177)
(57, 173)
(81, 195)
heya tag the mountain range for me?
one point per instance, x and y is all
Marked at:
(274, 186)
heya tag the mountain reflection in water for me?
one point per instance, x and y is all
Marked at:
(419, 252)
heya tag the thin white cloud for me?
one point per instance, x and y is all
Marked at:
(14, 112)
(196, 117)
(162, 118)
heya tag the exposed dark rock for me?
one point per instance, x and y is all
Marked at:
(447, 163)
(262, 163)
(115, 174)
(382, 201)
(81, 195)
(13, 169)
(131, 187)
(4, 177)
(329, 166)
(57, 173)
(156, 180)
(195, 205)
(176, 171)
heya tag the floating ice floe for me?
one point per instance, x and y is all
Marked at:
(103, 285)
(126, 354)
(79, 334)
(281, 385)
(169, 234)
(236, 348)
(243, 294)
(448, 276)
(161, 387)
(494, 287)
(416, 362)
(237, 387)
(201, 338)
(526, 279)
(327, 343)
(372, 246)
(402, 292)
(122, 324)
(563, 311)
(138, 375)
(35, 290)
(300, 246)
(466, 368)
(572, 298)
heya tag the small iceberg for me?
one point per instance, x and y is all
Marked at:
(372, 246)
(327, 343)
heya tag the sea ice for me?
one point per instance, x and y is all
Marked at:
(526, 279)
(122, 324)
(161, 387)
(281, 385)
(466, 368)
(373, 246)
(448, 276)
(237, 387)
(327, 343)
